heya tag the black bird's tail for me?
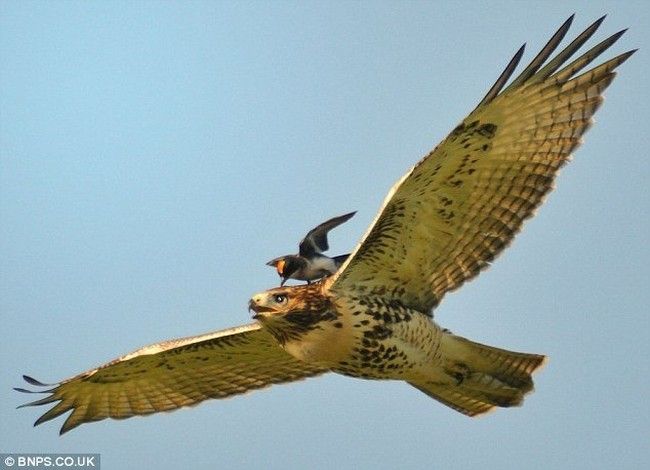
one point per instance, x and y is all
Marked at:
(340, 259)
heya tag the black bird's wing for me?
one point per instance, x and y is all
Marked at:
(316, 240)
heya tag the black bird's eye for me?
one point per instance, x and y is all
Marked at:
(280, 298)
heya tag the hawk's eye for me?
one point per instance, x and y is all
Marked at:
(280, 298)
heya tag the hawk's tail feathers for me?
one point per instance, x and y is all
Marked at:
(481, 377)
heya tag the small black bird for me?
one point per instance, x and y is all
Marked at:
(310, 264)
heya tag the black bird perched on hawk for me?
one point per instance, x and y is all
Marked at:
(310, 263)
(442, 223)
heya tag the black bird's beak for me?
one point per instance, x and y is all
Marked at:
(284, 279)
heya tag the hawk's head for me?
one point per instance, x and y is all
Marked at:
(288, 312)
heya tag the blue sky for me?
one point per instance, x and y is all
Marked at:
(154, 155)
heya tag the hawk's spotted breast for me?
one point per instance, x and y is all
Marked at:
(440, 225)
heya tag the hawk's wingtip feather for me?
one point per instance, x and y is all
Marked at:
(33, 381)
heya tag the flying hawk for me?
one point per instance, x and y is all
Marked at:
(439, 226)
(310, 263)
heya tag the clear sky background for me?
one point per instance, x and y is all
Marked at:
(154, 155)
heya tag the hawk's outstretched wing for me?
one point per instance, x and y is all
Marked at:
(173, 374)
(461, 205)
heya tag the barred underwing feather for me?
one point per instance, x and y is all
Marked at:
(503, 78)
(543, 55)
(566, 53)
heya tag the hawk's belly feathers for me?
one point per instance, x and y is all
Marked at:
(372, 339)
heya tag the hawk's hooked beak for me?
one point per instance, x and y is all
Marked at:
(251, 309)
(259, 310)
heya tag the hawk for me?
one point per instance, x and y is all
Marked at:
(440, 225)
(310, 263)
